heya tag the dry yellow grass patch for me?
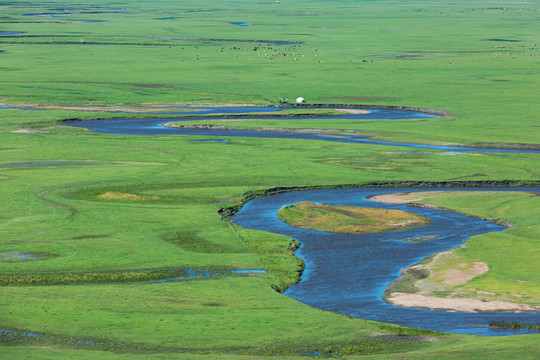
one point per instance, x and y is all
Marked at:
(349, 219)
(111, 195)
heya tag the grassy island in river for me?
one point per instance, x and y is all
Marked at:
(349, 219)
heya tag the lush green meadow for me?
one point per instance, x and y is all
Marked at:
(108, 213)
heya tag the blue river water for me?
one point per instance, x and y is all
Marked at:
(348, 274)
(155, 127)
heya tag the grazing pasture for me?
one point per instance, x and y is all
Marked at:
(89, 221)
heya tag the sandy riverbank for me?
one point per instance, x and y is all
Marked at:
(455, 304)
(355, 111)
(447, 278)
(397, 198)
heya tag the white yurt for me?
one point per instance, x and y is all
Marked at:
(300, 100)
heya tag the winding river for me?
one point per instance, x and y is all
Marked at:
(155, 127)
(348, 274)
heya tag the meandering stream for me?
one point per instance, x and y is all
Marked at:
(348, 274)
(156, 127)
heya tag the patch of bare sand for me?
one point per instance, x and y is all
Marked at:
(355, 111)
(26, 131)
(23, 131)
(455, 304)
(396, 198)
(454, 277)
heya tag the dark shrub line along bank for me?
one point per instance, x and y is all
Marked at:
(406, 340)
(367, 107)
(227, 212)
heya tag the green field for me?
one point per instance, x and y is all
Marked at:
(98, 214)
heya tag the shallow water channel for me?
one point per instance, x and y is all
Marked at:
(348, 274)
(155, 127)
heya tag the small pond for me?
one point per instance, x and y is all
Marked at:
(16, 256)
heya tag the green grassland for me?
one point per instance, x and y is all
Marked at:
(111, 211)
(482, 90)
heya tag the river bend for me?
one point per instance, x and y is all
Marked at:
(348, 274)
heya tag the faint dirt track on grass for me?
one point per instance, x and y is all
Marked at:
(70, 208)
